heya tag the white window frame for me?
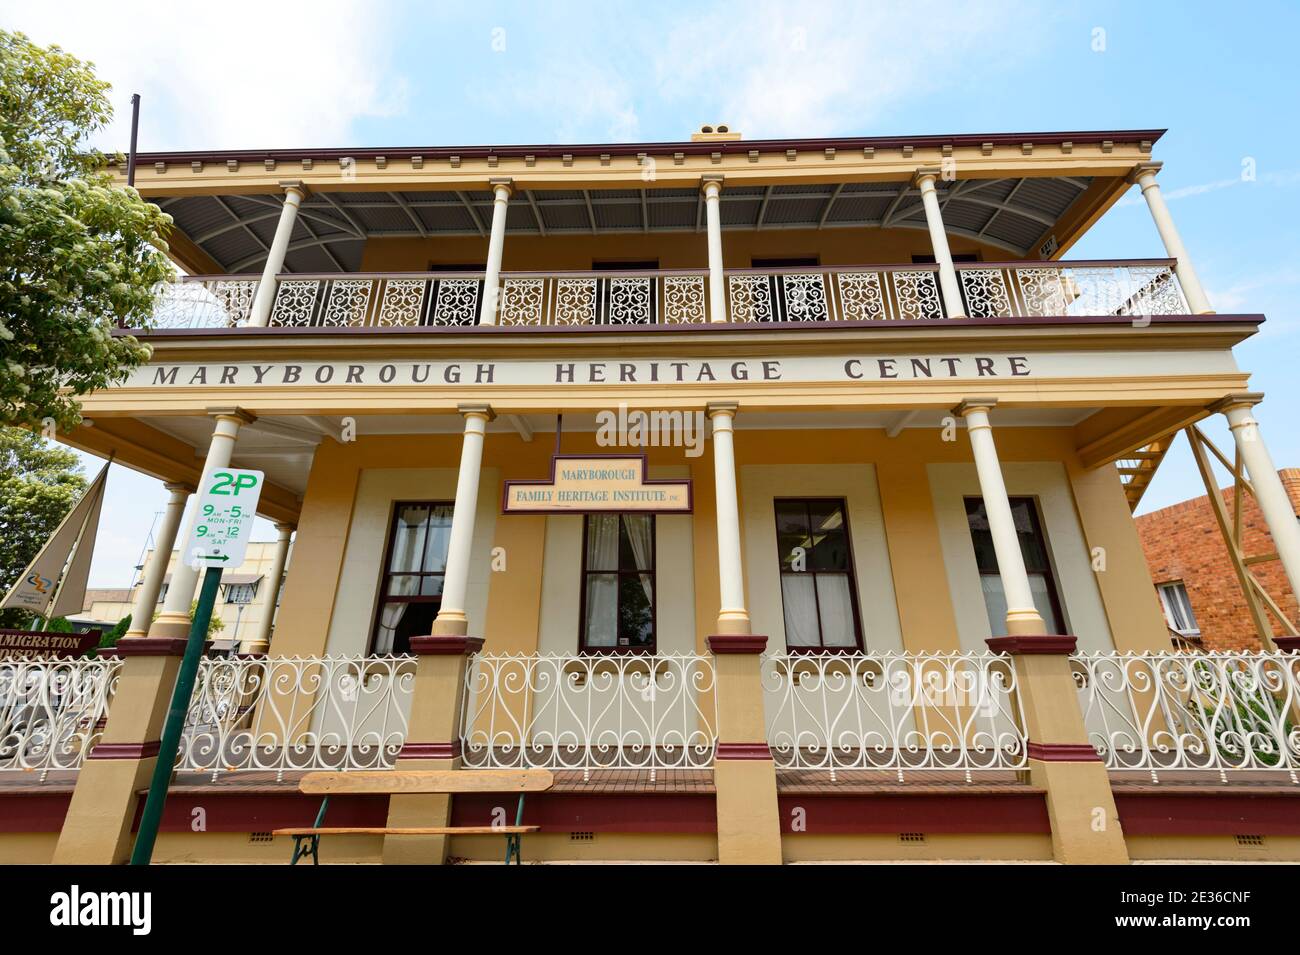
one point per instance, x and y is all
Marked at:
(1175, 600)
(232, 589)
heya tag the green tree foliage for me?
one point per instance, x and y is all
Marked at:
(215, 623)
(39, 483)
(78, 256)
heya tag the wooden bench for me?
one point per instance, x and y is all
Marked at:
(306, 840)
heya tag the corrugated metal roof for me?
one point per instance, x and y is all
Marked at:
(1011, 212)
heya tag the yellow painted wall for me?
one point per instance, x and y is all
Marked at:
(681, 250)
(909, 564)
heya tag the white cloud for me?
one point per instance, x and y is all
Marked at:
(236, 74)
(1284, 177)
(827, 68)
(577, 94)
(768, 69)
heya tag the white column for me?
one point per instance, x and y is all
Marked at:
(1023, 618)
(451, 618)
(1145, 176)
(712, 189)
(501, 190)
(732, 617)
(261, 640)
(174, 621)
(260, 313)
(1274, 502)
(939, 242)
(156, 569)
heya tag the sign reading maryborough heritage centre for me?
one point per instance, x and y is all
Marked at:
(639, 372)
(584, 483)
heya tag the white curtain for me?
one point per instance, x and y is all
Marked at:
(836, 610)
(800, 602)
(408, 547)
(389, 618)
(995, 602)
(1040, 588)
(640, 533)
(602, 589)
(602, 542)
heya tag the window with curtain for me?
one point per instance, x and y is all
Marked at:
(618, 583)
(411, 588)
(818, 587)
(1033, 545)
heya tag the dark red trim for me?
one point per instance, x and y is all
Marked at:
(1288, 644)
(1062, 752)
(124, 750)
(1173, 809)
(736, 643)
(445, 645)
(958, 812)
(740, 146)
(151, 646)
(235, 811)
(739, 328)
(430, 750)
(742, 751)
(595, 812)
(35, 811)
(1059, 644)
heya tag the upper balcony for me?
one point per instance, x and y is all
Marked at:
(715, 230)
(1134, 288)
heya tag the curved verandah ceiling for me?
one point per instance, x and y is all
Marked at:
(235, 231)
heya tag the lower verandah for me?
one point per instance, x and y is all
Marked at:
(915, 572)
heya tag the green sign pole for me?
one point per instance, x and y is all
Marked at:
(171, 737)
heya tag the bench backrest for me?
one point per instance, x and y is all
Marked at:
(431, 781)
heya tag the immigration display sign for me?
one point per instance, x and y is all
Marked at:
(581, 484)
(37, 643)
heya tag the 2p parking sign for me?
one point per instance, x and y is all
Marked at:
(227, 505)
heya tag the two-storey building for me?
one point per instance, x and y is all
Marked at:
(630, 405)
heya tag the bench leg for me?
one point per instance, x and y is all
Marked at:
(512, 840)
(304, 846)
(512, 848)
(310, 845)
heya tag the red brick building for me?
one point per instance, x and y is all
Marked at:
(1184, 547)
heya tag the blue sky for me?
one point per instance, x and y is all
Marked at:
(1222, 79)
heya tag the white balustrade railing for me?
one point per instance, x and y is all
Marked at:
(603, 298)
(615, 711)
(1218, 712)
(297, 713)
(952, 712)
(674, 297)
(204, 303)
(52, 710)
(867, 294)
(1050, 289)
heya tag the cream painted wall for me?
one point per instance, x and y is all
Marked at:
(1085, 616)
(377, 489)
(674, 579)
(561, 584)
(856, 483)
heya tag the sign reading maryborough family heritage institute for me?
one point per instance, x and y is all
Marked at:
(600, 482)
(526, 372)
